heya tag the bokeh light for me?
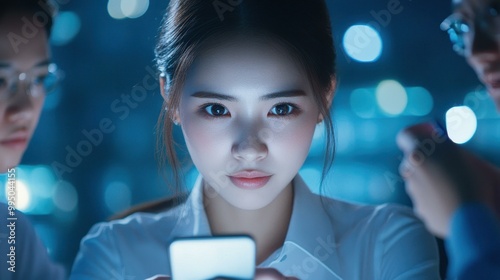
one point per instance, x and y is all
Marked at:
(134, 8)
(45, 180)
(362, 43)
(346, 138)
(34, 187)
(23, 196)
(66, 27)
(65, 196)
(362, 102)
(312, 177)
(461, 124)
(391, 97)
(115, 9)
(420, 101)
(117, 196)
(119, 9)
(364, 184)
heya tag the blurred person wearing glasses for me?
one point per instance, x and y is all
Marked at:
(456, 193)
(26, 76)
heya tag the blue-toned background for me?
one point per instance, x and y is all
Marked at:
(93, 152)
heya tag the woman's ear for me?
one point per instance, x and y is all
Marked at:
(331, 91)
(175, 116)
(329, 95)
(163, 90)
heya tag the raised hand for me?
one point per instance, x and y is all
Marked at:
(440, 176)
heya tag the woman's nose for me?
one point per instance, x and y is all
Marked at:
(250, 147)
(21, 106)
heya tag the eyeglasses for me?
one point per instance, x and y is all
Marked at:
(39, 82)
(459, 30)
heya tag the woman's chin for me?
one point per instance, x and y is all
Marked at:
(9, 159)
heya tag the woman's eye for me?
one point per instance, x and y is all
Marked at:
(216, 110)
(3, 82)
(39, 80)
(284, 109)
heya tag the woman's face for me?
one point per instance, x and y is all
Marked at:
(482, 42)
(248, 116)
(22, 50)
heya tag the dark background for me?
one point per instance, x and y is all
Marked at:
(110, 58)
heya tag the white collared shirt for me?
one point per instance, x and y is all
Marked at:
(326, 239)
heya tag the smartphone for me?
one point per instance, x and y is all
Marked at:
(212, 257)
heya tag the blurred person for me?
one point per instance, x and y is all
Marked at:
(248, 86)
(456, 193)
(26, 76)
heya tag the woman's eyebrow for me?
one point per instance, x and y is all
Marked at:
(44, 62)
(213, 95)
(286, 93)
(4, 65)
(220, 96)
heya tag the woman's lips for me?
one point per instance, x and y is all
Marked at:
(250, 179)
(492, 79)
(495, 84)
(493, 87)
(250, 183)
(15, 143)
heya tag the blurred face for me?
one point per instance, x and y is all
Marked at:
(482, 41)
(19, 111)
(248, 116)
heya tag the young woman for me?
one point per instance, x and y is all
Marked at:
(248, 84)
(25, 78)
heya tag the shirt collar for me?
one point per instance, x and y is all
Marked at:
(308, 222)
(192, 219)
(308, 227)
